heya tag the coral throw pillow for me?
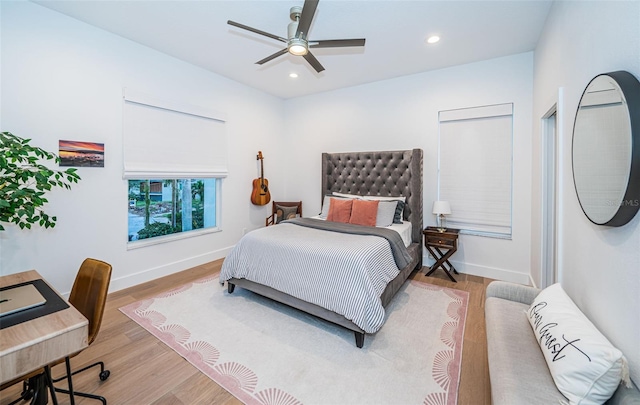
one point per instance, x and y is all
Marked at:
(364, 213)
(339, 210)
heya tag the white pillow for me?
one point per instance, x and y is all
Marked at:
(324, 211)
(386, 211)
(585, 366)
(343, 195)
(399, 215)
(380, 198)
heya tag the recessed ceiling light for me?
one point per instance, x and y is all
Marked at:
(293, 75)
(433, 39)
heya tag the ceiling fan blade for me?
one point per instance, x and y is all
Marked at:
(270, 57)
(336, 43)
(308, 11)
(257, 31)
(313, 62)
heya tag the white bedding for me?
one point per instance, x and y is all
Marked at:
(404, 229)
(341, 272)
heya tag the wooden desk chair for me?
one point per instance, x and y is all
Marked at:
(281, 210)
(89, 296)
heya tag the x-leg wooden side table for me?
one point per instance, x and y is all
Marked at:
(441, 245)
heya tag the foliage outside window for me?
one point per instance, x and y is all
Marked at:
(159, 207)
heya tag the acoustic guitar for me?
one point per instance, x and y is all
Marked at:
(260, 194)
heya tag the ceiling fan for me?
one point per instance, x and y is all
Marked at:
(297, 41)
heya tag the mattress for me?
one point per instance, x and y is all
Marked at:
(341, 272)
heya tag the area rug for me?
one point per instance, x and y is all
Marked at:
(264, 352)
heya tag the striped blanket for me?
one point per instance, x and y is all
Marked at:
(344, 273)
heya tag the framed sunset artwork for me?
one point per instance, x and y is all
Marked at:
(81, 154)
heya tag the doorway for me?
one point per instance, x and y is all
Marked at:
(549, 262)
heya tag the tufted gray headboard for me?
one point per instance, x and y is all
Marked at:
(384, 173)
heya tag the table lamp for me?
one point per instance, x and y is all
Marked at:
(440, 209)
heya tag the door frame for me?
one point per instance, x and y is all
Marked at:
(552, 168)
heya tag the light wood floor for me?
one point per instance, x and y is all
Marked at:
(145, 371)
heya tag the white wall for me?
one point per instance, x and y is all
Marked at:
(63, 79)
(402, 113)
(600, 266)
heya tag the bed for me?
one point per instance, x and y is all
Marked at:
(366, 174)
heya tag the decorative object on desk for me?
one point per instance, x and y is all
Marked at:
(606, 149)
(24, 182)
(81, 154)
(260, 194)
(20, 298)
(272, 345)
(440, 209)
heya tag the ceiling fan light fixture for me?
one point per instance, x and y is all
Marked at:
(297, 34)
(297, 47)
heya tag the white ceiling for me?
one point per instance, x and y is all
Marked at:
(197, 32)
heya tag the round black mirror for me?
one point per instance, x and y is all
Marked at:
(606, 149)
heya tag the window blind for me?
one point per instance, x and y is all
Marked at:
(168, 140)
(475, 167)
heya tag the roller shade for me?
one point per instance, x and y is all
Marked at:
(475, 167)
(168, 139)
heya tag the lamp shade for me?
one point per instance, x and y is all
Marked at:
(441, 207)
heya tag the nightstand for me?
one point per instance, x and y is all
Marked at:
(436, 242)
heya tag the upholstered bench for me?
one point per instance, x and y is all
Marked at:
(517, 366)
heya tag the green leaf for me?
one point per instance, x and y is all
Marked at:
(24, 181)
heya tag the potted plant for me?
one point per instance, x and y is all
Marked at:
(24, 181)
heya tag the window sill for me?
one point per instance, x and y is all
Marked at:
(486, 234)
(137, 244)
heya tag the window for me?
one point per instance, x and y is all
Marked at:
(162, 207)
(175, 158)
(475, 168)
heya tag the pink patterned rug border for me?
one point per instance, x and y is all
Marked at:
(239, 380)
(170, 340)
(459, 317)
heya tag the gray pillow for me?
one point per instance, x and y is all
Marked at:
(283, 213)
(397, 218)
(386, 212)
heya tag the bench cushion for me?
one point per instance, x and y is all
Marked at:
(517, 368)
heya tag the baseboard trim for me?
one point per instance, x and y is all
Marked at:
(487, 272)
(160, 271)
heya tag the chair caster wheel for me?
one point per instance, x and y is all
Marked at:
(104, 375)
